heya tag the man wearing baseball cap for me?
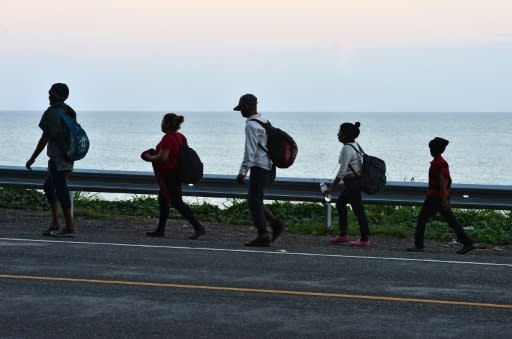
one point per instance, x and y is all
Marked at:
(262, 172)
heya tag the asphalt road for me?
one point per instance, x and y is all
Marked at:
(153, 288)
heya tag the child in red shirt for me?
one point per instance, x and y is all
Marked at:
(437, 200)
(165, 165)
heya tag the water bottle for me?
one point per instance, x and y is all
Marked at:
(323, 188)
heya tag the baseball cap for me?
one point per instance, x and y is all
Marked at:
(245, 100)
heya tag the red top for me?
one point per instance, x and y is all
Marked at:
(439, 167)
(172, 142)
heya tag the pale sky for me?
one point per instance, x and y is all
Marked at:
(322, 55)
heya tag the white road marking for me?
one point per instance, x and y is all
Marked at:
(275, 252)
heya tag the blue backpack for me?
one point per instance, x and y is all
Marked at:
(76, 143)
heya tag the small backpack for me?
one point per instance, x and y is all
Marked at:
(190, 167)
(281, 148)
(373, 172)
(76, 143)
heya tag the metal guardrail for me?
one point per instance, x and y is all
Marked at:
(498, 197)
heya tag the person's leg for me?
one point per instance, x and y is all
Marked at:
(276, 224)
(268, 213)
(64, 196)
(54, 209)
(341, 206)
(176, 196)
(163, 207)
(51, 198)
(462, 236)
(428, 210)
(257, 181)
(356, 201)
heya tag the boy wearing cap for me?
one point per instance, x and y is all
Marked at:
(262, 172)
(59, 166)
(437, 200)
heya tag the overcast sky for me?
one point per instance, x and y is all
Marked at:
(196, 55)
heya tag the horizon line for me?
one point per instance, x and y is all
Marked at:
(266, 111)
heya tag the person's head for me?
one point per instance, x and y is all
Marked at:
(247, 105)
(437, 146)
(348, 132)
(171, 122)
(58, 93)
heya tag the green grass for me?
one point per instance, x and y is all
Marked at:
(489, 226)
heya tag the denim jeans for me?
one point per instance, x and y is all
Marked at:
(259, 179)
(56, 186)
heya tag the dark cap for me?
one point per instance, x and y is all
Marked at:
(59, 91)
(245, 100)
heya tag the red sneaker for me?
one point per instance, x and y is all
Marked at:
(339, 239)
(360, 243)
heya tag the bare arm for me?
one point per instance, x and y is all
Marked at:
(161, 156)
(41, 144)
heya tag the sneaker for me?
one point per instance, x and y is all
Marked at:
(263, 241)
(155, 234)
(415, 249)
(50, 231)
(277, 229)
(63, 234)
(360, 243)
(465, 249)
(197, 234)
(339, 239)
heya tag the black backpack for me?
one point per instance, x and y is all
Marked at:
(281, 148)
(373, 172)
(190, 167)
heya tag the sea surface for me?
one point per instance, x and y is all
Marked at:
(479, 151)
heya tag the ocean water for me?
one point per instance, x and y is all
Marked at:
(478, 153)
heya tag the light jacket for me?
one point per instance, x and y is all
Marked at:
(254, 155)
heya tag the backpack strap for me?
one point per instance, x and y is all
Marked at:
(180, 145)
(360, 151)
(177, 138)
(62, 113)
(265, 126)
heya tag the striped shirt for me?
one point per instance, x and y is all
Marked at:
(439, 167)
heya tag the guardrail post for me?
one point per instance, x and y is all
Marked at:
(72, 204)
(327, 215)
